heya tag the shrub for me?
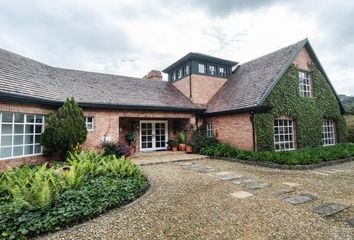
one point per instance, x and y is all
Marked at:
(130, 137)
(302, 156)
(64, 129)
(118, 149)
(200, 140)
(350, 124)
(92, 184)
(182, 137)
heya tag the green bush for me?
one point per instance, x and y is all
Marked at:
(118, 149)
(350, 124)
(37, 200)
(64, 129)
(200, 140)
(303, 156)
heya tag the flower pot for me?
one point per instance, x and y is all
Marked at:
(181, 147)
(174, 149)
(189, 149)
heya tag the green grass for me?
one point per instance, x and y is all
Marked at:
(297, 157)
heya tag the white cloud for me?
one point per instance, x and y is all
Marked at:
(133, 37)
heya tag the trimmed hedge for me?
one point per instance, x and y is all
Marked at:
(303, 156)
(93, 184)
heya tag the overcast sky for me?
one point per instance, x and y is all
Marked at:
(132, 37)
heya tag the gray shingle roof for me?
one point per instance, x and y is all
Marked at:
(22, 76)
(252, 80)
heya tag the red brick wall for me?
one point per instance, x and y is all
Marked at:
(235, 129)
(203, 87)
(302, 60)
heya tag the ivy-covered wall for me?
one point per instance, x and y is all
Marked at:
(307, 112)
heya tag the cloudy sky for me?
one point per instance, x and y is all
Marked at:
(135, 36)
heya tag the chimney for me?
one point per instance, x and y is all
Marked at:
(154, 74)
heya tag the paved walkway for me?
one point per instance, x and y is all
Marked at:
(215, 199)
(149, 158)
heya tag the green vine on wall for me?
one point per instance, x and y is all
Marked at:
(308, 113)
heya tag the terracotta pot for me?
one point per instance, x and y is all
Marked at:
(174, 149)
(181, 147)
(189, 149)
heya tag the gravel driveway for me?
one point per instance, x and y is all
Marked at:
(192, 202)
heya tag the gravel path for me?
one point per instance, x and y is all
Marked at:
(186, 204)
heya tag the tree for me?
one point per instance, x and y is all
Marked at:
(64, 129)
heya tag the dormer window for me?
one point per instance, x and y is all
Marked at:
(201, 68)
(222, 72)
(212, 70)
(180, 73)
(186, 70)
(305, 87)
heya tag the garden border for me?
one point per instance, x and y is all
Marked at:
(284, 166)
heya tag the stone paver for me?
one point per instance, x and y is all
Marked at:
(241, 194)
(291, 184)
(257, 185)
(328, 209)
(283, 191)
(320, 173)
(243, 181)
(300, 199)
(229, 177)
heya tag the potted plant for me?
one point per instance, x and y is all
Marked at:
(182, 141)
(169, 144)
(189, 147)
(130, 137)
(174, 145)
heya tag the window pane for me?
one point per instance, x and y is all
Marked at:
(201, 68)
(18, 151)
(18, 129)
(29, 128)
(39, 119)
(6, 141)
(38, 128)
(37, 149)
(7, 117)
(28, 150)
(6, 129)
(18, 140)
(30, 118)
(5, 152)
(29, 139)
(37, 138)
(19, 117)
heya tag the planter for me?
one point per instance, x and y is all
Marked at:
(189, 149)
(181, 147)
(174, 149)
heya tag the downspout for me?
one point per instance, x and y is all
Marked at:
(253, 132)
(190, 79)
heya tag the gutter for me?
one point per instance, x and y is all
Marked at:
(255, 109)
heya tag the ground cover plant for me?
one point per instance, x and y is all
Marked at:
(39, 199)
(350, 124)
(302, 156)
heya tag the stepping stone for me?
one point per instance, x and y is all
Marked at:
(241, 194)
(205, 170)
(229, 177)
(291, 184)
(283, 191)
(185, 163)
(243, 180)
(351, 222)
(257, 185)
(327, 171)
(320, 173)
(221, 173)
(328, 209)
(300, 199)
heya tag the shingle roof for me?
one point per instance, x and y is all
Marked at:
(22, 76)
(252, 80)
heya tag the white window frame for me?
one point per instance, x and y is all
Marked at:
(202, 68)
(328, 132)
(305, 86)
(24, 145)
(87, 123)
(222, 71)
(212, 70)
(209, 129)
(180, 73)
(284, 134)
(186, 70)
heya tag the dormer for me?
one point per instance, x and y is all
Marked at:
(199, 76)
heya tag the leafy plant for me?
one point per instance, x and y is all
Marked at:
(65, 128)
(118, 149)
(130, 137)
(182, 137)
(201, 140)
(174, 143)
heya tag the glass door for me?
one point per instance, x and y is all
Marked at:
(153, 135)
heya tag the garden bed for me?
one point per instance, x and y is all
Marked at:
(39, 200)
(297, 159)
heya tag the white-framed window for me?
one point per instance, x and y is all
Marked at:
(212, 70)
(89, 123)
(173, 76)
(305, 84)
(284, 134)
(186, 70)
(222, 71)
(209, 129)
(201, 68)
(180, 73)
(20, 134)
(328, 133)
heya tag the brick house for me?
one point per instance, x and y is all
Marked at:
(224, 95)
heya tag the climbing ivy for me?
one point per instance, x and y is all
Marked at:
(307, 112)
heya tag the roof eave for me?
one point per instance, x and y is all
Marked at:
(254, 109)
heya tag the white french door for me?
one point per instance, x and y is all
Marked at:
(153, 135)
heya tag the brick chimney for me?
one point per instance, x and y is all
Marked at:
(154, 74)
